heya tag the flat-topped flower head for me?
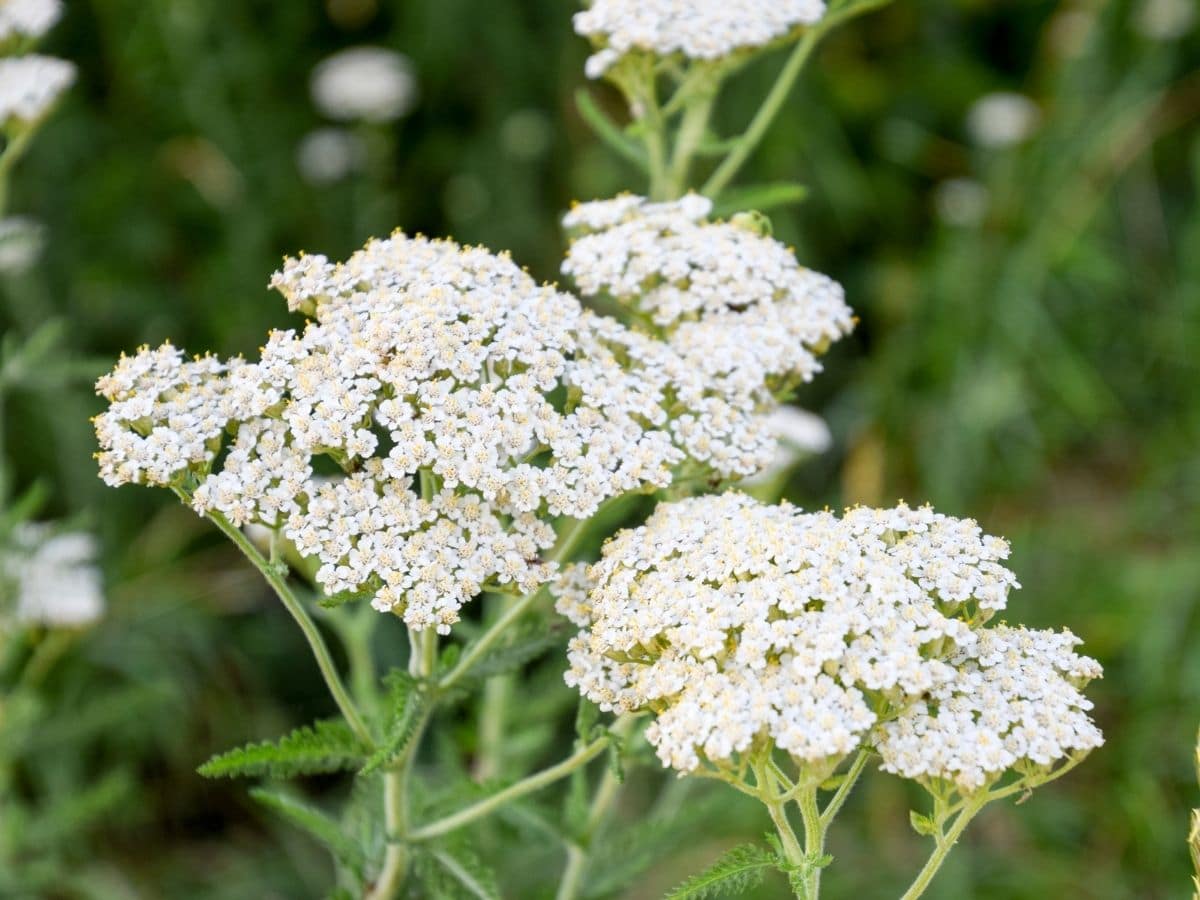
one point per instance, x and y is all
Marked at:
(745, 320)
(27, 19)
(735, 622)
(697, 29)
(1015, 702)
(466, 404)
(30, 85)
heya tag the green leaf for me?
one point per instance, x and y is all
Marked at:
(405, 702)
(317, 823)
(737, 871)
(468, 871)
(922, 825)
(525, 645)
(759, 197)
(586, 718)
(326, 746)
(608, 131)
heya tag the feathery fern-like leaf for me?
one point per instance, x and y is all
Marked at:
(317, 823)
(468, 870)
(325, 746)
(406, 700)
(738, 870)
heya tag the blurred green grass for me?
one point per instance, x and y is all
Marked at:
(1037, 368)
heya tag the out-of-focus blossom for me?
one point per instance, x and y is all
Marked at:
(21, 241)
(28, 18)
(29, 85)
(56, 578)
(1164, 20)
(373, 84)
(327, 155)
(1002, 119)
(961, 201)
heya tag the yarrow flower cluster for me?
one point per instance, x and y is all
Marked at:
(27, 18)
(735, 621)
(697, 29)
(741, 314)
(465, 403)
(29, 86)
(1015, 700)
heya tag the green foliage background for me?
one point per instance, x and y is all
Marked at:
(1039, 371)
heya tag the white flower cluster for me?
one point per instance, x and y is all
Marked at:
(29, 86)
(699, 29)
(373, 84)
(56, 580)
(466, 403)
(734, 621)
(743, 317)
(167, 414)
(28, 18)
(1015, 700)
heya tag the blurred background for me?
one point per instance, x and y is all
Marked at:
(1008, 191)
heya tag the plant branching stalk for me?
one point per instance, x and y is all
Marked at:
(316, 643)
(528, 785)
(754, 133)
(844, 789)
(945, 843)
(766, 114)
(578, 851)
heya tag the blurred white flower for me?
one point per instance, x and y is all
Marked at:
(369, 83)
(21, 241)
(57, 580)
(1164, 20)
(327, 155)
(961, 201)
(798, 434)
(28, 18)
(1002, 119)
(29, 85)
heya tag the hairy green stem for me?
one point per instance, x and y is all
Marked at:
(275, 578)
(766, 114)
(814, 840)
(687, 141)
(528, 785)
(396, 780)
(844, 789)
(578, 851)
(945, 843)
(754, 133)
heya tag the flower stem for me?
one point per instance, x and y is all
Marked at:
(488, 805)
(691, 133)
(578, 851)
(391, 878)
(765, 116)
(945, 843)
(316, 643)
(753, 135)
(844, 789)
